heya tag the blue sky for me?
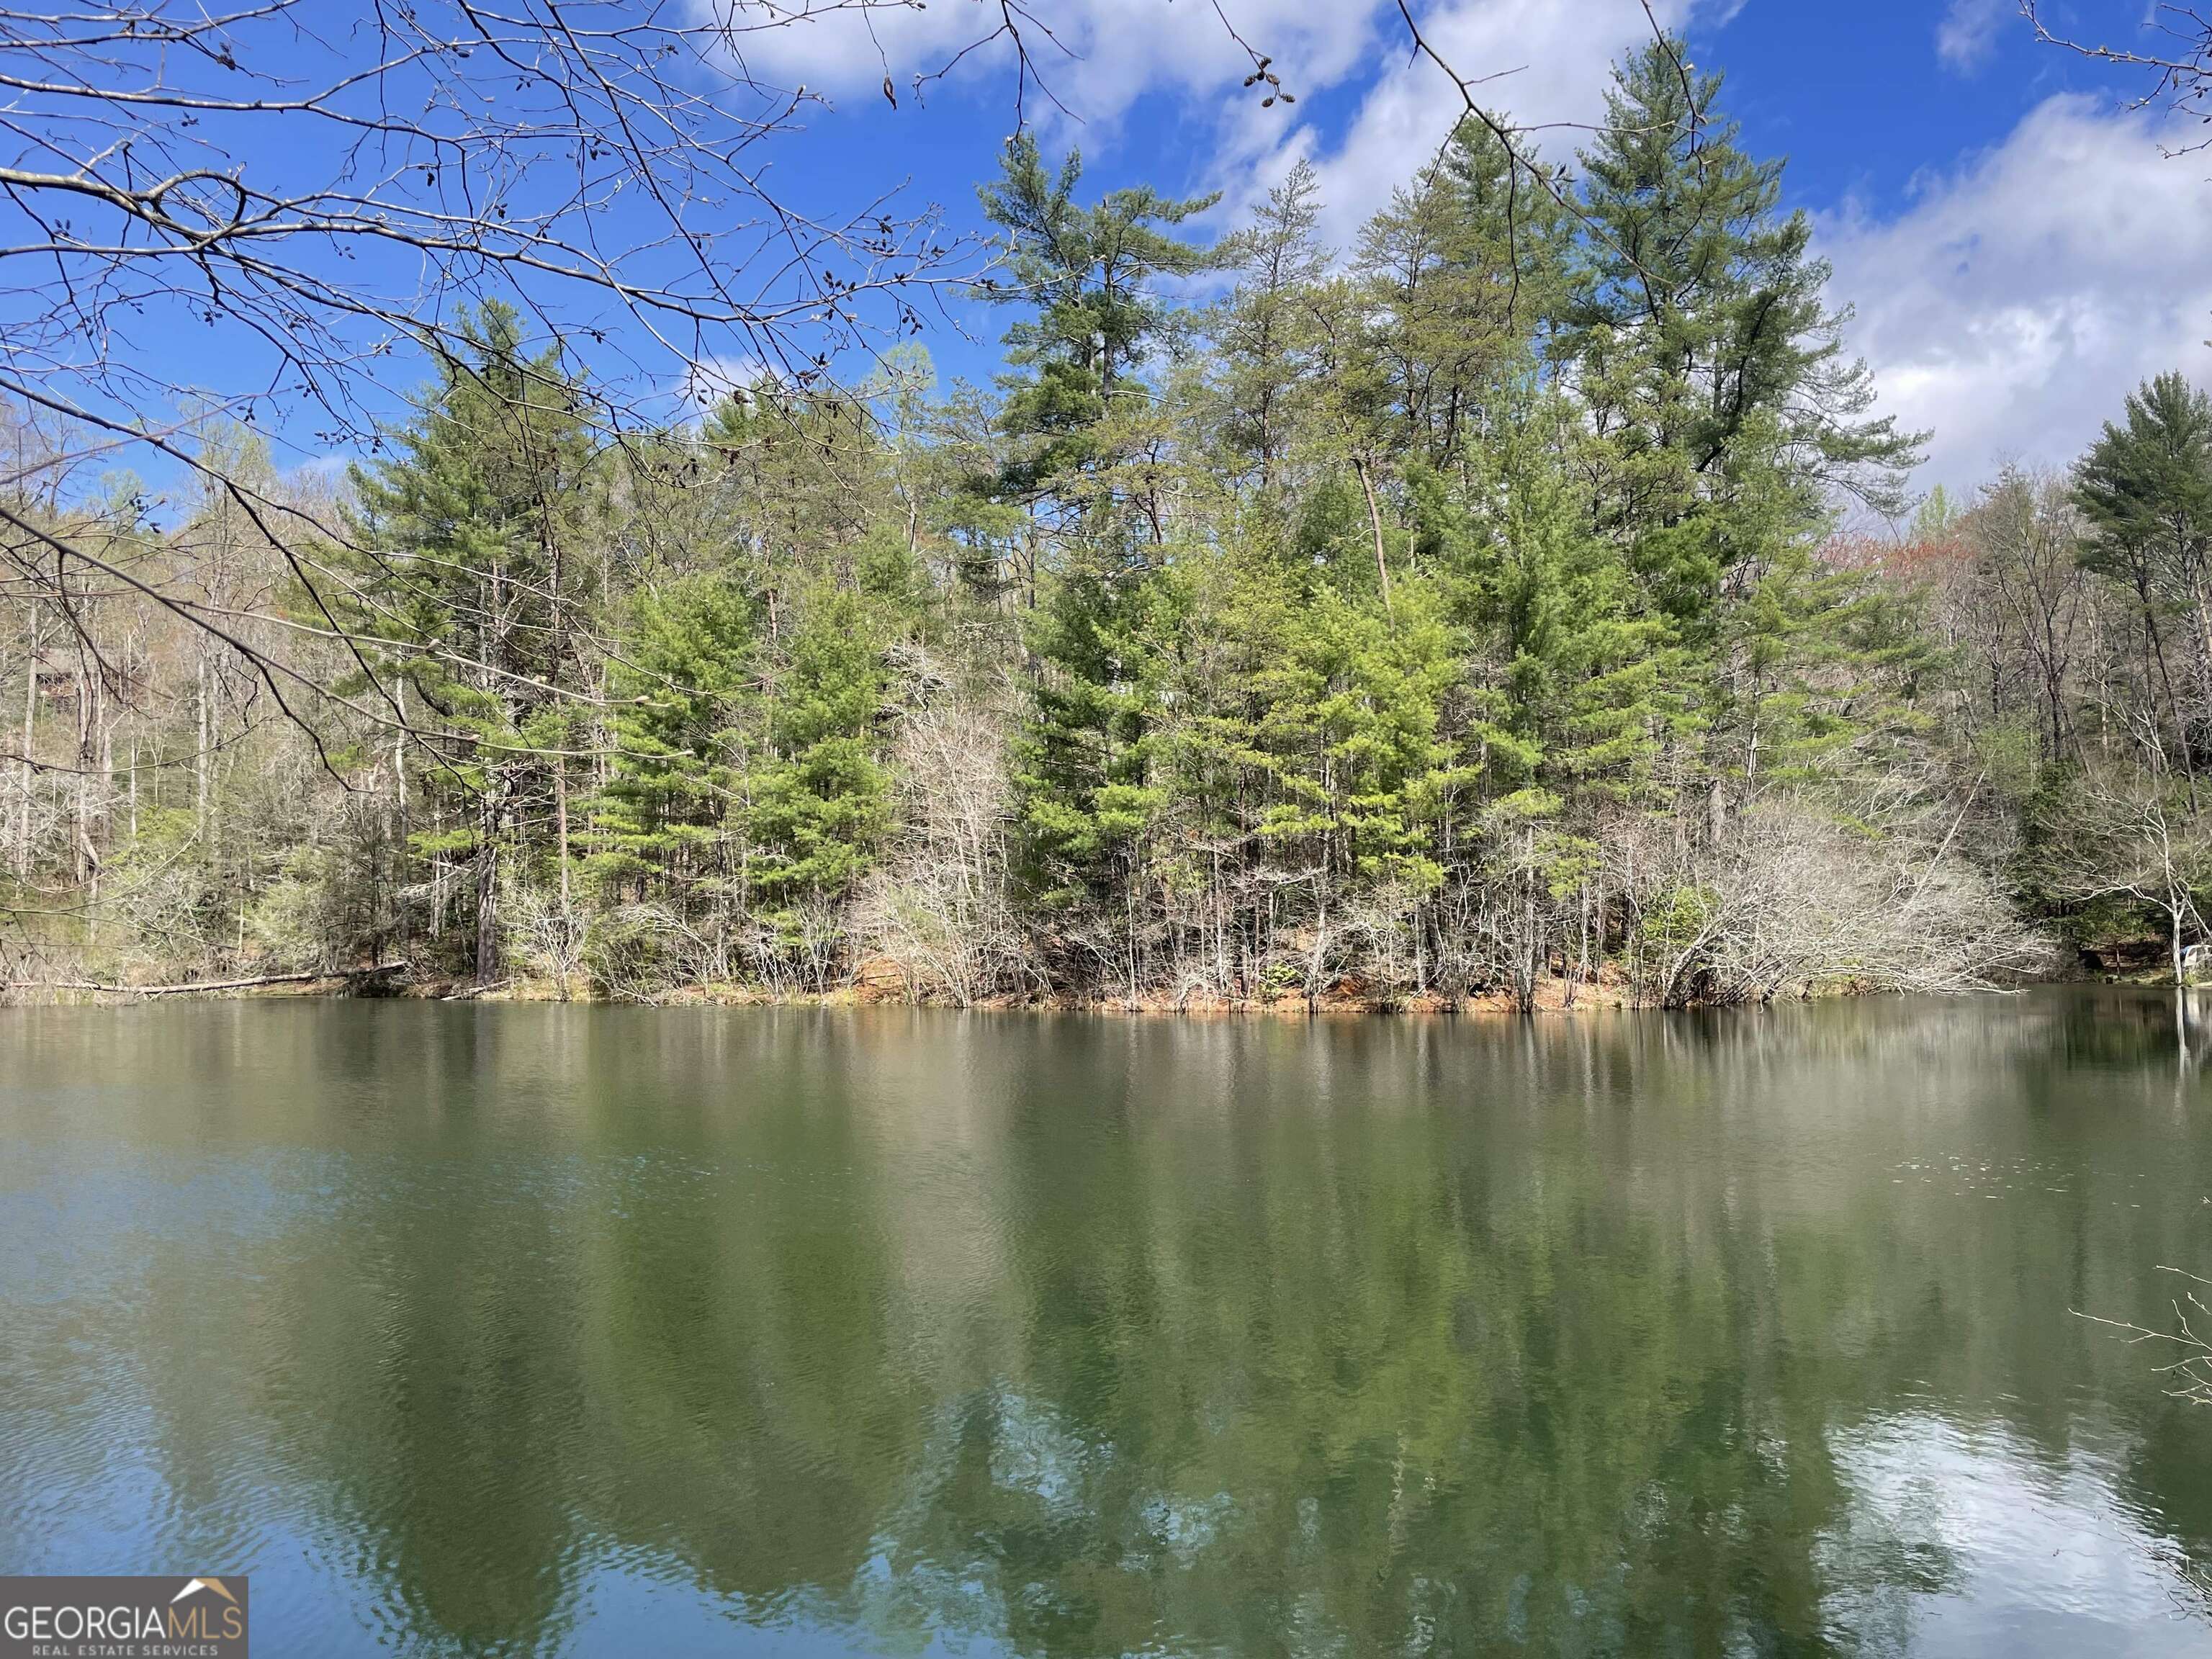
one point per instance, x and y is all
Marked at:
(2018, 251)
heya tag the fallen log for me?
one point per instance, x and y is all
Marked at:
(191, 985)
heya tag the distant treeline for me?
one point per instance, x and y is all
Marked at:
(1468, 612)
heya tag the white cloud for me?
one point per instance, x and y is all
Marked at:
(712, 379)
(2009, 306)
(1968, 30)
(2017, 301)
(1550, 60)
(1098, 58)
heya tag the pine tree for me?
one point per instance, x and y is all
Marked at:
(1355, 740)
(1591, 691)
(1261, 333)
(1697, 318)
(1466, 272)
(818, 803)
(2146, 489)
(1728, 416)
(1082, 763)
(465, 568)
(1594, 682)
(1091, 273)
(683, 692)
(1086, 454)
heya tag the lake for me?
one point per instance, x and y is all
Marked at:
(480, 1329)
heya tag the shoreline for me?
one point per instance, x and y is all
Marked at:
(1607, 996)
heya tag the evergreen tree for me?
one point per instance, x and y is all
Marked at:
(1697, 318)
(1464, 615)
(1078, 420)
(818, 803)
(466, 569)
(682, 694)
(1594, 682)
(2146, 490)
(1082, 764)
(1466, 271)
(1260, 333)
(1091, 273)
(1357, 740)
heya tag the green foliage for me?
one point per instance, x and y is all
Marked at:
(817, 802)
(302, 913)
(468, 587)
(1467, 272)
(1089, 272)
(683, 692)
(1697, 321)
(1443, 617)
(2146, 489)
(462, 532)
(1593, 684)
(1360, 738)
(1082, 770)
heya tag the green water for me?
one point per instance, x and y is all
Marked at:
(600, 1331)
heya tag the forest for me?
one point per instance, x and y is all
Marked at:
(1527, 603)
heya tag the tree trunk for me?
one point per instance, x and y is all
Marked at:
(401, 828)
(487, 890)
(30, 766)
(1375, 522)
(2173, 704)
(560, 827)
(83, 854)
(1317, 962)
(200, 760)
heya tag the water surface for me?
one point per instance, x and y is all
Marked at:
(528, 1330)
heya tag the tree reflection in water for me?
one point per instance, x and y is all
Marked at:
(516, 1330)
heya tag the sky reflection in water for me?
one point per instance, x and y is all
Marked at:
(541, 1330)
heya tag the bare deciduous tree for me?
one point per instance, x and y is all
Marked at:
(305, 201)
(2122, 834)
(2027, 562)
(939, 911)
(1789, 901)
(2173, 53)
